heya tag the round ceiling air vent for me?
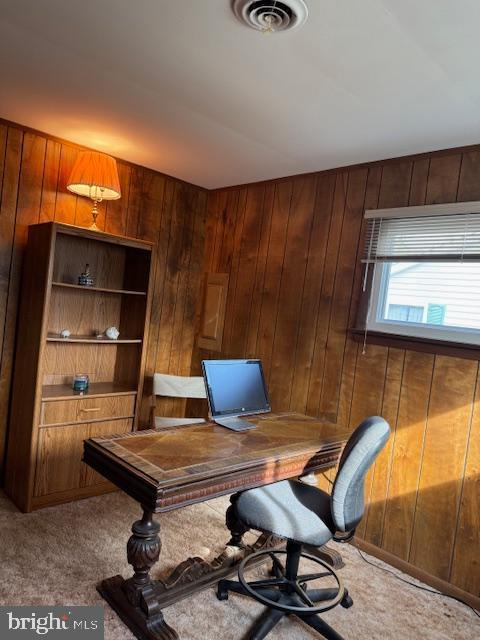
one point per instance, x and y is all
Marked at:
(271, 15)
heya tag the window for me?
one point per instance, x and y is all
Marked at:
(404, 312)
(423, 272)
(436, 313)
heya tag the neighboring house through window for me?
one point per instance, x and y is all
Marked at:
(404, 313)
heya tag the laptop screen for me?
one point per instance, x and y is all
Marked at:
(235, 387)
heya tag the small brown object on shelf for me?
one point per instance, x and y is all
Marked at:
(49, 420)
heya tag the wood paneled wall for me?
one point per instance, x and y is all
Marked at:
(34, 169)
(291, 248)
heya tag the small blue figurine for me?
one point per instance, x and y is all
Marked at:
(85, 279)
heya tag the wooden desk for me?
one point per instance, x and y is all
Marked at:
(172, 468)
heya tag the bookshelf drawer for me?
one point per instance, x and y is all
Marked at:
(87, 409)
(60, 449)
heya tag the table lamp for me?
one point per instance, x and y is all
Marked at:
(95, 175)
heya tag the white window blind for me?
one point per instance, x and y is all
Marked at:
(436, 232)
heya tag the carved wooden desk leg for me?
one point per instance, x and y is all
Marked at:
(235, 526)
(143, 551)
(134, 599)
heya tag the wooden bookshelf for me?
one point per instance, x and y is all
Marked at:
(49, 421)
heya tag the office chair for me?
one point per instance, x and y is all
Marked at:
(169, 386)
(305, 515)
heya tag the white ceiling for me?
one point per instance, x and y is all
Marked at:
(182, 87)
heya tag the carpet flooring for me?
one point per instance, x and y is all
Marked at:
(56, 556)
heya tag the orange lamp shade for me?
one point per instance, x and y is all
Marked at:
(95, 175)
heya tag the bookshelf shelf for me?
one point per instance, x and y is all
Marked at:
(54, 392)
(128, 292)
(92, 340)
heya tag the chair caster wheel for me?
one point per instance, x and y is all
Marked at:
(222, 593)
(346, 601)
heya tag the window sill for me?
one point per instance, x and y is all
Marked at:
(426, 345)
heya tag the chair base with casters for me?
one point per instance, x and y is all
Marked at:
(288, 593)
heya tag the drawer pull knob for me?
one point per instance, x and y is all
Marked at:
(91, 410)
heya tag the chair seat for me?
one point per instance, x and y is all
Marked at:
(289, 509)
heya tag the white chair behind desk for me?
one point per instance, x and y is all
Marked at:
(165, 385)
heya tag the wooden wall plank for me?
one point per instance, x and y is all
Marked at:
(468, 186)
(352, 348)
(183, 268)
(328, 283)
(153, 187)
(11, 176)
(175, 222)
(225, 240)
(273, 273)
(148, 227)
(65, 202)
(234, 256)
(3, 146)
(116, 210)
(445, 445)
(407, 453)
(396, 183)
(260, 269)
(469, 183)
(418, 185)
(322, 214)
(27, 212)
(135, 195)
(443, 179)
(50, 181)
(291, 291)
(10, 182)
(465, 571)
(368, 391)
(212, 215)
(375, 516)
(342, 295)
(192, 307)
(180, 232)
(248, 255)
(219, 205)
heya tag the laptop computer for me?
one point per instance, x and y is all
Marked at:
(235, 388)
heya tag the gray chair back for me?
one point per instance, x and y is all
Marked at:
(363, 446)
